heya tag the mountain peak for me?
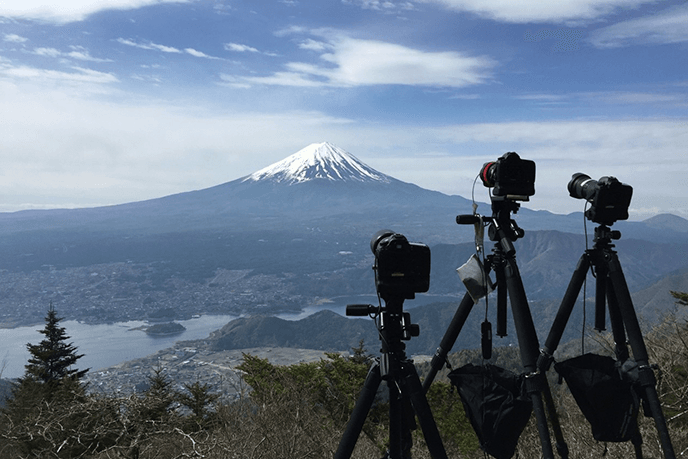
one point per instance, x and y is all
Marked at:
(319, 161)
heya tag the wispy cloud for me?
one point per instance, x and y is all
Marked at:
(14, 38)
(78, 52)
(314, 45)
(651, 98)
(660, 97)
(668, 26)
(76, 10)
(201, 54)
(149, 46)
(543, 98)
(538, 11)
(47, 52)
(239, 48)
(81, 75)
(382, 5)
(357, 62)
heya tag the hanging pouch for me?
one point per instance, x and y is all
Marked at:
(496, 405)
(608, 401)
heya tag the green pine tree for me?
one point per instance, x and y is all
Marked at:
(52, 360)
(41, 408)
(159, 398)
(199, 400)
(49, 374)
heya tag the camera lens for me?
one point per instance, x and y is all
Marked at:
(487, 174)
(582, 186)
(377, 237)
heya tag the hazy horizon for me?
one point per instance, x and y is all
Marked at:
(122, 101)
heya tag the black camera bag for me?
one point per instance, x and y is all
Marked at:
(605, 394)
(496, 405)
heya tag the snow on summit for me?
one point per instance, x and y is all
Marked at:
(319, 161)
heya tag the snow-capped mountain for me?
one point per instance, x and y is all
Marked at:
(319, 161)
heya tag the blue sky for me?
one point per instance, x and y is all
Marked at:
(106, 102)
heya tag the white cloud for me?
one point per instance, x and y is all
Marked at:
(149, 46)
(665, 99)
(314, 45)
(543, 98)
(526, 11)
(65, 11)
(82, 54)
(382, 5)
(239, 48)
(82, 75)
(78, 53)
(668, 26)
(201, 54)
(14, 38)
(290, 31)
(59, 149)
(356, 62)
(48, 52)
(277, 79)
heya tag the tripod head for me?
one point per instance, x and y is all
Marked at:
(501, 227)
(407, 329)
(604, 236)
(394, 326)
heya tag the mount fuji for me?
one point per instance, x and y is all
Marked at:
(319, 161)
(320, 193)
(321, 185)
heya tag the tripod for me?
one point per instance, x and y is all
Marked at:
(611, 284)
(406, 394)
(503, 230)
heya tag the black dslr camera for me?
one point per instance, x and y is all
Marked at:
(511, 177)
(608, 197)
(402, 268)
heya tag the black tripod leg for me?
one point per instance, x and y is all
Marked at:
(553, 338)
(564, 313)
(562, 447)
(529, 347)
(618, 331)
(635, 339)
(450, 336)
(600, 294)
(411, 387)
(396, 423)
(501, 301)
(360, 413)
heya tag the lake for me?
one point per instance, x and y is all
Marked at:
(105, 345)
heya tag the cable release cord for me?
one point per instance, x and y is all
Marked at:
(479, 226)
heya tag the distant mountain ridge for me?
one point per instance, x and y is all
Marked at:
(296, 230)
(668, 221)
(322, 186)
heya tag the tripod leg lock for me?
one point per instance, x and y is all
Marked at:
(544, 361)
(534, 383)
(646, 376)
(440, 358)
